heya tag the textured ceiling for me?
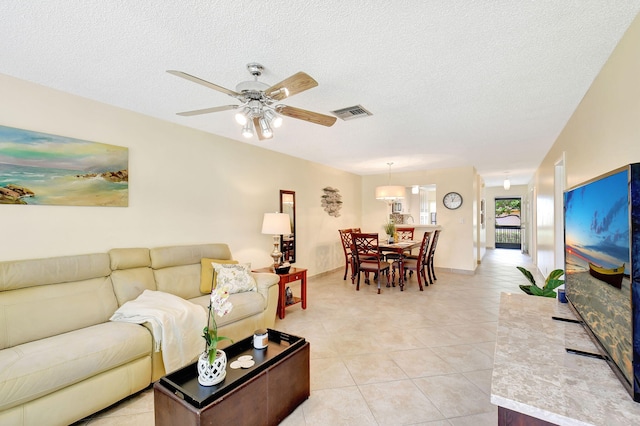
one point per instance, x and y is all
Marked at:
(488, 84)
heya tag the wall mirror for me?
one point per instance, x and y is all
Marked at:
(288, 242)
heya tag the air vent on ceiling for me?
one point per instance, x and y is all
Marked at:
(349, 113)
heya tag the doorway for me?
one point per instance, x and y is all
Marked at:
(508, 223)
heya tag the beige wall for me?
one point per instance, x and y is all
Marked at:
(456, 249)
(602, 134)
(185, 187)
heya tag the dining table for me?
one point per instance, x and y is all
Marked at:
(401, 247)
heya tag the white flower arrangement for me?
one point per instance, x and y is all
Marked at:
(220, 305)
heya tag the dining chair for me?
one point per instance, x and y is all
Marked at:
(418, 263)
(345, 237)
(367, 258)
(432, 252)
(404, 234)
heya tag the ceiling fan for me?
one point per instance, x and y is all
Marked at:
(258, 108)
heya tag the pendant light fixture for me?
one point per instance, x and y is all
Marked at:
(389, 192)
(506, 184)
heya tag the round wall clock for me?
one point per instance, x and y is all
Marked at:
(452, 200)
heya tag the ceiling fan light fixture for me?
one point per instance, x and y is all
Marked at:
(254, 109)
(256, 112)
(265, 128)
(241, 117)
(274, 119)
(247, 130)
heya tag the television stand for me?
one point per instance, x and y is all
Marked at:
(535, 381)
(571, 320)
(586, 353)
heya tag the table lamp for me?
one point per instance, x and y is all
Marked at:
(276, 224)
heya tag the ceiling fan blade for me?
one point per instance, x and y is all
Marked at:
(204, 83)
(297, 83)
(207, 110)
(303, 114)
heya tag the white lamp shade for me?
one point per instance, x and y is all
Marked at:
(276, 224)
(389, 192)
(506, 184)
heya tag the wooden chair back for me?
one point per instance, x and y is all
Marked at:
(345, 237)
(365, 247)
(367, 257)
(423, 255)
(419, 263)
(405, 234)
(434, 242)
(432, 250)
(347, 242)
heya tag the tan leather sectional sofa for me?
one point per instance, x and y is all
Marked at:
(61, 359)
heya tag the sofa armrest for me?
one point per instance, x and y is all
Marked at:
(264, 281)
(267, 284)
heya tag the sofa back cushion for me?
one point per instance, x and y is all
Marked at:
(128, 258)
(132, 273)
(130, 283)
(45, 297)
(35, 272)
(177, 268)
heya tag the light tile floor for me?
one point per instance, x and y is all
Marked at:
(397, 358)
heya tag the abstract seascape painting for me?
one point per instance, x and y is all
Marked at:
(43, 169)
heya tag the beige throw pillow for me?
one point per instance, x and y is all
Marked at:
(237, 277)
(208, 274)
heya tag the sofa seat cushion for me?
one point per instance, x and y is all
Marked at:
(244, 305)
(35, 369)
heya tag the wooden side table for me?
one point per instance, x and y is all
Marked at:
(293, 275)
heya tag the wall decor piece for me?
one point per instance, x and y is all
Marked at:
(331, 201)
(39, 168)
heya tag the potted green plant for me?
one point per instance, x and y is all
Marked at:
(551, 283)
(390, 230)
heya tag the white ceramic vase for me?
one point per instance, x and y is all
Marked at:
(210, 374)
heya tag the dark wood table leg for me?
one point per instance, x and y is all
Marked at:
(282, 299)
(303, 290)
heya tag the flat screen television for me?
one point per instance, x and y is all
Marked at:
(602, 266)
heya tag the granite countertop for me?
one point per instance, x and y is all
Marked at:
(533, 374)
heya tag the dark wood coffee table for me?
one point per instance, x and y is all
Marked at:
(261, 395)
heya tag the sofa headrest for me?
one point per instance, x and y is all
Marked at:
(164, 257)
(35, 272)
(128, 258)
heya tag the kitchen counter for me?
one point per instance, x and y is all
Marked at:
(418, 226)
(533, 375)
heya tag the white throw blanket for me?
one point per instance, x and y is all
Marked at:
(176, 325)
